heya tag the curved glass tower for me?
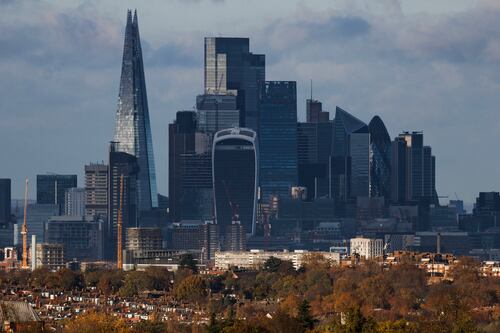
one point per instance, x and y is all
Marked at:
(380, 159)
(235, 174)
(133, 130)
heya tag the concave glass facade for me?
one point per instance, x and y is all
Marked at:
(234, 178)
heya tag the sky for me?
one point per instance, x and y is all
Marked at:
(422, 65)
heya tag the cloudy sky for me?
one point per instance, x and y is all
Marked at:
(421, 65)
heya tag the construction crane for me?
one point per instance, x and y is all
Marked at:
(119, 232)
(24, 229)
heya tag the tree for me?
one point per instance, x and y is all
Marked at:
(272, 265)
(304, 316)
(191, 289)
(94, 322)
(187, 261)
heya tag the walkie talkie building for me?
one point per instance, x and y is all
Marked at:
(133, 130)
(235, 175)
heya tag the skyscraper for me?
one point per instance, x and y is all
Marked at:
(120, 164)
(314, 148)
(96, 190)
(350, 165)
(51, 188)
(74, 202)
(235, 175)
(190, 170)
(380, 159)
(398, 171)
(277, 138)
(133, 130)
(419, 169)
(231, 67)
(216, 111)
(5, 198)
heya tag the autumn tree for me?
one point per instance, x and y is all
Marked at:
(192, 289)
(94, 322)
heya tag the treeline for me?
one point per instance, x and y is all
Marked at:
(316, 298)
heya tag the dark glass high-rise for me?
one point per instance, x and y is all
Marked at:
(231, 67)
(5, 201)
(235, 174)
(277, 139)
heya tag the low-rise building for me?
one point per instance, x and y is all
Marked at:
(368, 248)
(254, 259)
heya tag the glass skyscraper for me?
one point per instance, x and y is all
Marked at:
(278, 170)
(5, 197)
(380, 159)
(133, 130)
(235, 174)
(350, 166)
(51, 188)
(230, 67)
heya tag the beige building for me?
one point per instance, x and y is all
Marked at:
(50, 256)
(368, 248)
(254, 259)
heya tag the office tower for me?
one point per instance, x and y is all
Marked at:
(5, 198)
(428, 174)
(120, 164)
(133, 130)
(420, 169)
(50, 256)
(350, 164)
(380, 159)
(415, 167)
(37, 217)
(144, 239)
(216, 111)
(314, 147)
(315, 113)
(277, 138)
(96, 190)
(235, 175)
(398, 171)
(209, 240)
(74, 202)
(234, 238)
(487, 203)
(231, 67)
(190, 170)
(82, 237)
(51, 188)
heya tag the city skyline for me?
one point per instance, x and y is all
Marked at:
(439, 116)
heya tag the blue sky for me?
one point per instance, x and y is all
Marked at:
(420, 65)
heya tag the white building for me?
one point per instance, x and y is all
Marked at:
(368, 248)
(254, 259)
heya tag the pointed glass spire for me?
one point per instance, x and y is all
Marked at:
(133, 129)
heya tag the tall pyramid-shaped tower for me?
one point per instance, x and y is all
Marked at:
(133, 129)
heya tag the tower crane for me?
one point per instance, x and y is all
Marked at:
(24, 229)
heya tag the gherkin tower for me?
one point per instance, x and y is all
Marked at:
(133, 129)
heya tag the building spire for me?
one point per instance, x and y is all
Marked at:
(135, 17)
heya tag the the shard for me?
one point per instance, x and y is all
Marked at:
(133, 129)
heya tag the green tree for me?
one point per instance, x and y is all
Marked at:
(187, 261)
(272, 265)
(304, 316)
